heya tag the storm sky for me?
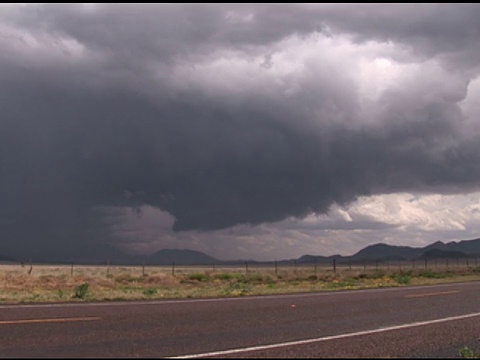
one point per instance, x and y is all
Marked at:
(253, 131)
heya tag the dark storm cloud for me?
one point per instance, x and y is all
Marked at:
(90, 119)
(427, 29)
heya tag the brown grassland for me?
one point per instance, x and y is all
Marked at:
(65, 283)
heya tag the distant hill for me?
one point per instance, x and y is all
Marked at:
(384, 252)
(375, 252)
(442, 254)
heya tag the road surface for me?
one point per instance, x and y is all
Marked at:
(428, 321)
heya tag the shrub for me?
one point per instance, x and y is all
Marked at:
(403, 278)
(224, 276)
(361, 276)
(237, 289)
(432, 275)
(149, 291)
(80, 291)
(466, 352)
(198, 277)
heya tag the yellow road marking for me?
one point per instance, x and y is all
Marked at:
(432, 294)
(52, 320)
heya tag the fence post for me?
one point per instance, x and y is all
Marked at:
(349, 264)
(71, 270)
(143, 268)
(334, 266)
(246, 267)
(108, 266)
(315, 266)
(173, 268)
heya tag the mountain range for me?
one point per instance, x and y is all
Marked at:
(385, 252)
(376, 252)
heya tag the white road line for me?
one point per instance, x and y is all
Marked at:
(431, 294)
(327, 338)
(50, 320)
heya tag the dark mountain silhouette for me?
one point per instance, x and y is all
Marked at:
(311, 258)
(376, 252)
(465, 246)
(442, 254)
(385, 252)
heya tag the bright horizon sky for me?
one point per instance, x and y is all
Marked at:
(245, 131)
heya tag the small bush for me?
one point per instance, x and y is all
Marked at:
(80, 291)
(403, 279)
(198, 277)
(361, 276)
(432, 275)
(224, 276)
(237, 289)
(466, 352)
(149, 291)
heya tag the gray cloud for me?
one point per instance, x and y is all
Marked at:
(93, 116)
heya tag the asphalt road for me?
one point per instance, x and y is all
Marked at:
(433, 321)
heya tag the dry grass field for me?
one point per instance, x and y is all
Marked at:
(65, 283)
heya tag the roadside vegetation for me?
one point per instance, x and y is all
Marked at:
(63, 283)
(466, 352)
